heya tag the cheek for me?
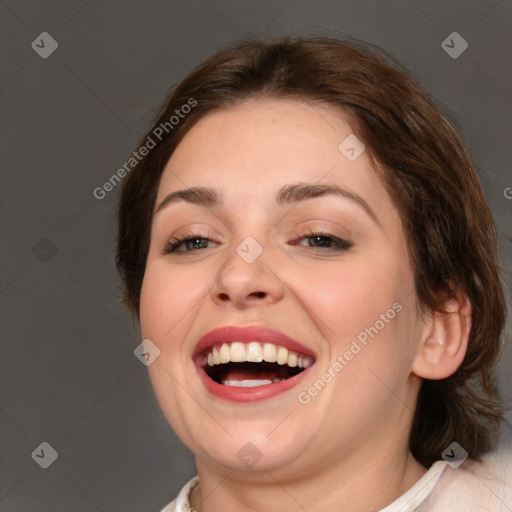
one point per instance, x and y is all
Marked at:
(368, 315)
(349, 298)
(166, 297)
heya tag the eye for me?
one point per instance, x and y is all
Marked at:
(195, 241)
(191, 241)
(326, 241)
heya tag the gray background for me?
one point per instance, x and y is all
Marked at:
(68, 375)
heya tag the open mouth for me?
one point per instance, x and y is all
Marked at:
(252, 364)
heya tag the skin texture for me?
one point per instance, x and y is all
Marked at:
(348, 445)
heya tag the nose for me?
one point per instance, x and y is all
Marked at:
(247, 277)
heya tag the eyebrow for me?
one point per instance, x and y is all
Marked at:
(288, 194)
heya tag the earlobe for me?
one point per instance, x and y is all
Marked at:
(445, 340)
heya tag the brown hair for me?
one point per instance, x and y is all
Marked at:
(424, 166)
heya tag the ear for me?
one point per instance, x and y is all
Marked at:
(444, 340)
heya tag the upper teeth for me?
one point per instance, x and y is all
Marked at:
(255, 352)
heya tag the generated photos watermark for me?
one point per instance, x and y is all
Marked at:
(357, 345)
(157, 135)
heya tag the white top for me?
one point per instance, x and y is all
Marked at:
(471, 487)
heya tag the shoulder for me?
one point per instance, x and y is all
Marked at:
(484, 485)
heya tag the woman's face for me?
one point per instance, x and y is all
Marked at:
(345, 294)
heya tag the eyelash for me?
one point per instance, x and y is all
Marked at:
(339, 244)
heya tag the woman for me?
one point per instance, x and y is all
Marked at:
(306, 243)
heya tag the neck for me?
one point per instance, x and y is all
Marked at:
(349, 485)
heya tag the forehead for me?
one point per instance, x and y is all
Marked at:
(253, 148)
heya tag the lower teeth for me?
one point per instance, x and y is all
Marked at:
(249, 383)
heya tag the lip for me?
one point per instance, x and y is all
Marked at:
(259, 333)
